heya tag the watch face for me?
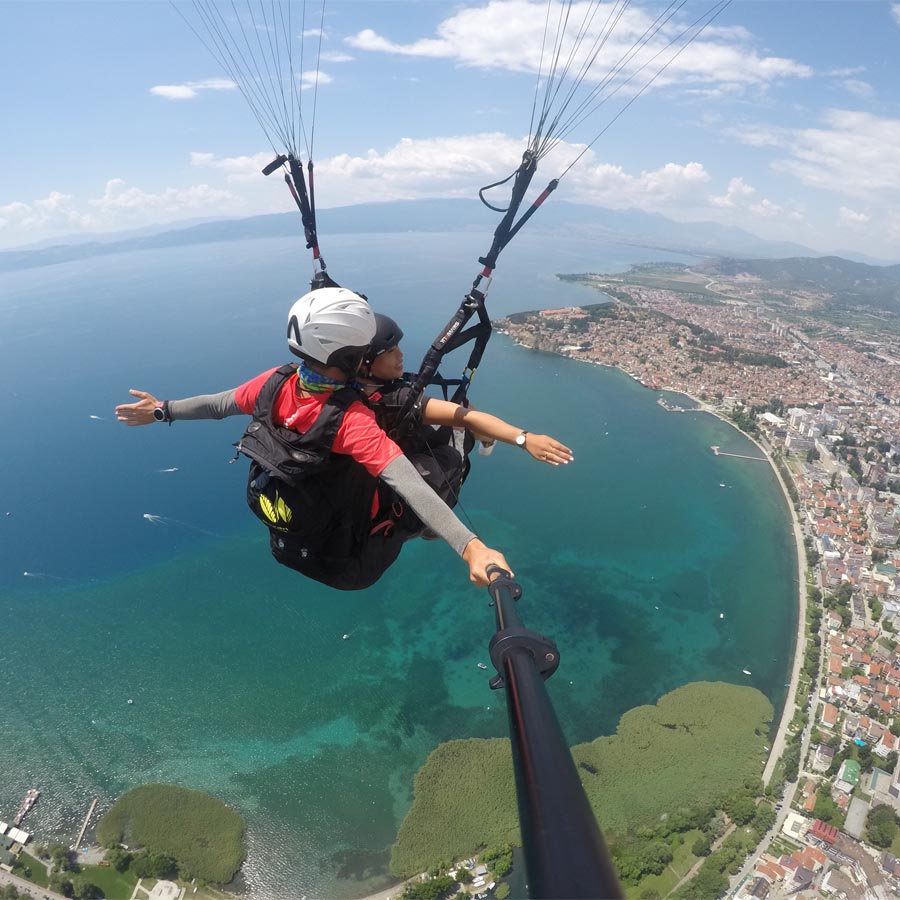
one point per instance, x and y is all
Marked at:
(158, 414)
(520, 440)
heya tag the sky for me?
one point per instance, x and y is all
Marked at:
(782, 118)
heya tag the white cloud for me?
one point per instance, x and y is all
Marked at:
(856, 154)
(755, 135)
(335, 56)
(430, 167)
(237, 168)
(765, 209)
(672, 185)
(53, 212)
(190, 89)
(735, 195)
(846, 71)
(508, 34)
(312, 32)
(895, 12)
(173, 91)
(121, 204)
(458, 166)
(310, 78)
(849, 216)
(860, 88)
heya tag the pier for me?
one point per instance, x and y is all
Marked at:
(84, 825)
(719, 452)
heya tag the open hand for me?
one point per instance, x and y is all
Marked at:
(546, 449)
(140, 413)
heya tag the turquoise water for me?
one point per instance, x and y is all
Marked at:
(241, 681)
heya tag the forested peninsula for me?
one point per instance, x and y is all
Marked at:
(200, 834)
(682, 758)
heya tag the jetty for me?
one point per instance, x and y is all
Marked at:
(28, 801)
(84, 825)
(719, 452)
(669, 407)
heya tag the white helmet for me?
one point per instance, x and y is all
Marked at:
(331, 326)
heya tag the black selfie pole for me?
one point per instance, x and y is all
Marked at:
(565, 854)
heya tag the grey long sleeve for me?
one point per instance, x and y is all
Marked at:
(401, 475)
(206, 406)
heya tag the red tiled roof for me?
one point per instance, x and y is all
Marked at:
(827, 833)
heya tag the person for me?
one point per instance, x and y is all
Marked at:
(430, 437)
(324, 477)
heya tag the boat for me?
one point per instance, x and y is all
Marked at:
(746, 671)
(481, 666)
(31, 797)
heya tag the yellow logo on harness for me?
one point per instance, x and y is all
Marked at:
(277, 512)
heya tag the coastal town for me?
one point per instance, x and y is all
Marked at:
(821, 399)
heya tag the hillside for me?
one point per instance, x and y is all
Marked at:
(701, 239)
(840, 282)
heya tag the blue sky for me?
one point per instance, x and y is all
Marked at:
(783, 118)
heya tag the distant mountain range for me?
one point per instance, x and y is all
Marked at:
(702, 239)
(849, 283)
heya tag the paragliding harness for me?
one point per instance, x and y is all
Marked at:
(440, 455)
(317, 504)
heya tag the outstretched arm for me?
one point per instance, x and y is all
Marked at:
(401, 475)
(487, 427)
(205, 406)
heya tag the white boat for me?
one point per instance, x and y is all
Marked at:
(481, 665)
(746, 671)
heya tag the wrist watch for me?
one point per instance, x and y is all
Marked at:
(520, 439)
(161, 412)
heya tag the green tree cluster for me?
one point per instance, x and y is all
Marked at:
(498, 859)
(148, 864)
(432, 889)
(71, 885)
(881, 826)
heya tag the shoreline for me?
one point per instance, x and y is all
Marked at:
(790, 701)
(778, 738)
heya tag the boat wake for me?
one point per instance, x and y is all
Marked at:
(177, 523)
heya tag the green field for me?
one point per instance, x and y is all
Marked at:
(38, 869)
(115, 885)
(694, 747)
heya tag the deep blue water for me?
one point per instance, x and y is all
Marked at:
(241, 681)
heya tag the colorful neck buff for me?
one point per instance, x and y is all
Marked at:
(314, 383)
